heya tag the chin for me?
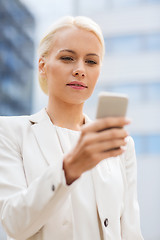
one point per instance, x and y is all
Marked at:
(76, 100)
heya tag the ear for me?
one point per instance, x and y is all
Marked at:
(41, 67)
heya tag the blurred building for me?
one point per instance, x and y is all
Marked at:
(132, 65)
(17, 27)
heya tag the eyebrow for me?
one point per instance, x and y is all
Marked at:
(67, 50)
(71, 51)
(92, 54)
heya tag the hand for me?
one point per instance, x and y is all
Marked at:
(99, 140)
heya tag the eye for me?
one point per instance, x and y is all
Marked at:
(67, 59)
(91, 62)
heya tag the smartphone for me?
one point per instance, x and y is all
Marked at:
(111, 105)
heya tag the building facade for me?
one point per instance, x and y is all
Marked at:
(17, 27)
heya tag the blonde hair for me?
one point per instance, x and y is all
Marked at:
(47, 41)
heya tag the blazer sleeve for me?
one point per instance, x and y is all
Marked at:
(130, 219)
(25, 210)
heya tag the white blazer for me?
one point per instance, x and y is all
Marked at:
(33, 188)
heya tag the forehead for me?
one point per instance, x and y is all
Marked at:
(76, 39)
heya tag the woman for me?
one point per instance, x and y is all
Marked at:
(62, 177)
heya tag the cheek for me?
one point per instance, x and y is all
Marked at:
(53, 74)
(58, 71)
(94, 76)
(51, 71)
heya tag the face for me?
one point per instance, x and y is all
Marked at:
(72, 66)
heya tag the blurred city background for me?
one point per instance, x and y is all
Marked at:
(131, 30)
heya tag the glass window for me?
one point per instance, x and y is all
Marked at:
(132, 44)
(154, 144)
(20, 15)
(138, 93)
(140, 144)
(154, 91)
(123, 44)
(12, 34)
(149, 144)
(91, 6)
(153, 41)
(108, 45)
(134, 91)
(11, 88)
(126, 44)
(20, 41)
(125, 3)
(13, 108)
(153, 1)
(14, 96)
(17, 11)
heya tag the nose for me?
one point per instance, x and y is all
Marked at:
(79, 71)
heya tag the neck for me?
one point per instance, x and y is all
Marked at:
(66, 115)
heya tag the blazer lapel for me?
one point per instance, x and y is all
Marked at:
(46, 137)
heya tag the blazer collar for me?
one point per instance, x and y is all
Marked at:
(39, 116)
(46, 136)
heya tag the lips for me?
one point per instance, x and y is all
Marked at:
(77, 84)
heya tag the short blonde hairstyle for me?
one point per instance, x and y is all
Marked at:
(47, 41)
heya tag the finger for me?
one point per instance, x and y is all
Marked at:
(113, 133)
(105, 123)
(112, 153)
(95, 137)
(97, 158)
(105, 146)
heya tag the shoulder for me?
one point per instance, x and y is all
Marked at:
(11, 131)
(15, 126)
(13, 123)
(7, 120)
(23, 121)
